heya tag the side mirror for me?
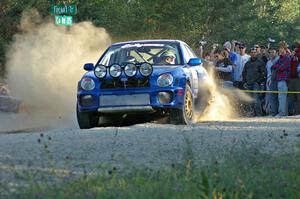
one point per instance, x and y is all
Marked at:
(194, 61)
(88, 66)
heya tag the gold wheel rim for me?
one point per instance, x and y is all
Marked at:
(188, 105)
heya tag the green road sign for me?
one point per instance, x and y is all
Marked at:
(63, 20)
(61, 9)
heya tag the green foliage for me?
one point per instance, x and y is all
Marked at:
(250, 177)
(217, 20)
(243, 172)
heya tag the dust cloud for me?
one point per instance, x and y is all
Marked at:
(44, 64)
(222, 103)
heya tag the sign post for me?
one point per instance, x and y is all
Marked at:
(61, 12)
(62, 9)
(63, 20)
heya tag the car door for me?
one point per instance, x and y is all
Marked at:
(188, 54)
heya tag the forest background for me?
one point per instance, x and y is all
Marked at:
(250, 21)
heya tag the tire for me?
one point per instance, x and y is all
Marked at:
(186, 114)
(86, 120)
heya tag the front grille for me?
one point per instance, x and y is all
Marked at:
(124, 100)
(130, 83)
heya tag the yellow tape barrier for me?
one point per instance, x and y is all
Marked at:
(277, 92)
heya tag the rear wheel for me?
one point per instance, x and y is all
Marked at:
(86, 120)
(186, 114)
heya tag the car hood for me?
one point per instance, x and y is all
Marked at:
(158, 70)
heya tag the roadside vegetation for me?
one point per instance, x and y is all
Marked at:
(246, 173)
(230, 179)
(215, 20)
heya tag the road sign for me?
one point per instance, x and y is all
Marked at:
(61, 9)
(63, 20)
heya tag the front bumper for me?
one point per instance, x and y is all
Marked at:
(149, 106)
(122, 109)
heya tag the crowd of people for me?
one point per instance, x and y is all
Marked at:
(271, 75)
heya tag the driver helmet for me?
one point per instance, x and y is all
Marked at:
(168, 53)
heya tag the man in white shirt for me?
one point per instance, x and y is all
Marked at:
(271, 98)
(242, 58)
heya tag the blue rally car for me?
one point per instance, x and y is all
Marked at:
(140, 78)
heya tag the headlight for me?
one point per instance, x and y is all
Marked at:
(100, 71)
(146, 69)
(165, 80)
(115, 70)
(130, 70)
(87, 84)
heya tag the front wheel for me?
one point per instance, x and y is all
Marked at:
(186, 114)
(86, 120)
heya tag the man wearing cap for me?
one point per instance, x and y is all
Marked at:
(282, 71)
(168, 57)
(242, 58)
(254, 77)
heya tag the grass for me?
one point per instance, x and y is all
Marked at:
(216, 180)
(245, 173)
(258, 177)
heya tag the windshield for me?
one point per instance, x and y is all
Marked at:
(153, 53)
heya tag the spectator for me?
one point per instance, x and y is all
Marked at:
(261, 51)
(281, 73)
(294, 82)
(223, 67)
(236, 46)
(264, 53)
(241, 61)
(271, 98)
(253, 76)
(207, 57)
(232, 55)
(207, 63)
(215, 46)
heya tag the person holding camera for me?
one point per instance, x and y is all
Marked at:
(223, 68)
(231, 54)
(281, 71)
(254, 78)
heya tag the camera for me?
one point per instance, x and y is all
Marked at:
(270, 40)
(202, 42)
(236, 43)
(215, 45)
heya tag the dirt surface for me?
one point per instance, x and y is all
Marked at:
(148, 144)
(50, 154)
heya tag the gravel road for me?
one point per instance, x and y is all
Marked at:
(67, 150)
(152, 145)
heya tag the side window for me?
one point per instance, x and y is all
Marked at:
(191, 52)
(137, 57)
(186, 54)
(106, 59)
